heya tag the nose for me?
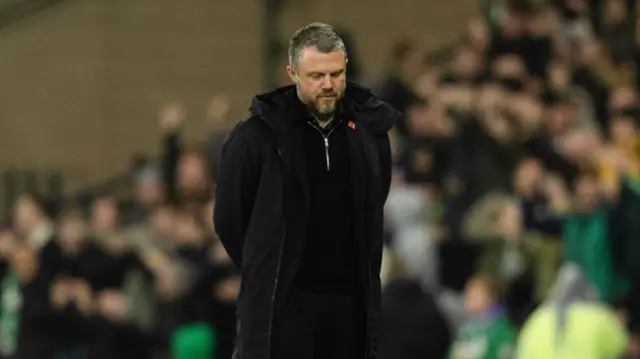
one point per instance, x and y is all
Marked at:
(327, 84)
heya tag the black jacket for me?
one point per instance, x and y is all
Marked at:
(262, 201)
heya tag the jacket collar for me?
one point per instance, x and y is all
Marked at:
(283, 103)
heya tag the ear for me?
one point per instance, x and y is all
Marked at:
(292, 74)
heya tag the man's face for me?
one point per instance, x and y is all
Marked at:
(320, 79)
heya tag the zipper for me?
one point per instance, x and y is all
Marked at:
(275, 283)
(326, 142)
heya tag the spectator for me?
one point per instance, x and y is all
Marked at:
(489, 333)
(583, 328)
(396, 89)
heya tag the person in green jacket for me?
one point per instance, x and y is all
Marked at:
(590, 236)
(489, 333)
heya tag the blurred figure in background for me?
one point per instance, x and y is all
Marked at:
(488, 334)
(412, 324)
(31, 221)
(572, 324)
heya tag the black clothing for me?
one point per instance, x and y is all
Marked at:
(263, 201)
(411, 326)
(329, 256)
(319, 326)
(37, 322)
(94, 264)
(114, 340)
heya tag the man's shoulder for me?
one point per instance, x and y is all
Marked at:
(251, 128)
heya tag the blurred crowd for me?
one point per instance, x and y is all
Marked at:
(517, 160)
(510, 225)
(139, 276)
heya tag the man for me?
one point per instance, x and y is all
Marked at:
(299, 203)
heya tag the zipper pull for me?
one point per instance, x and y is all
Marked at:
(326, 152)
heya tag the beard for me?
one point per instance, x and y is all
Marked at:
(324, 106)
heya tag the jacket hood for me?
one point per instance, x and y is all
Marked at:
(377, 116)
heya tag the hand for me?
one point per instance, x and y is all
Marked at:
(172, 117)
(553, 185)
(83, 296)
(509, 225)
(528, 111)
(227, 290)
(7, 244)
(167, 283)
(111, 304)
(498, 127)
(218, 254)
(218, 108)
(60, 293)
(155, 260)
(509, 66)
(459, 97)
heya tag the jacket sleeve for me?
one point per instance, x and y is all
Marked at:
(237, 183)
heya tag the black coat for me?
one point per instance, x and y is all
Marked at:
(262, 201)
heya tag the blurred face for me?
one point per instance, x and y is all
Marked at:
(622, 97)
(477, 31)
(72, 233)
(558, 76)
(477, 298)
(560, 119)
(623, 130)
(615, 11)
(528, 176)
(587, 193)
(163, 222)
(510, 221)
(148, 192)
(192, 171)
(104, 214)
(512, 25)
(591, 52)
(24, 262)
(26, 215)
(466, 63)
(578, 6)
(320, 79)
